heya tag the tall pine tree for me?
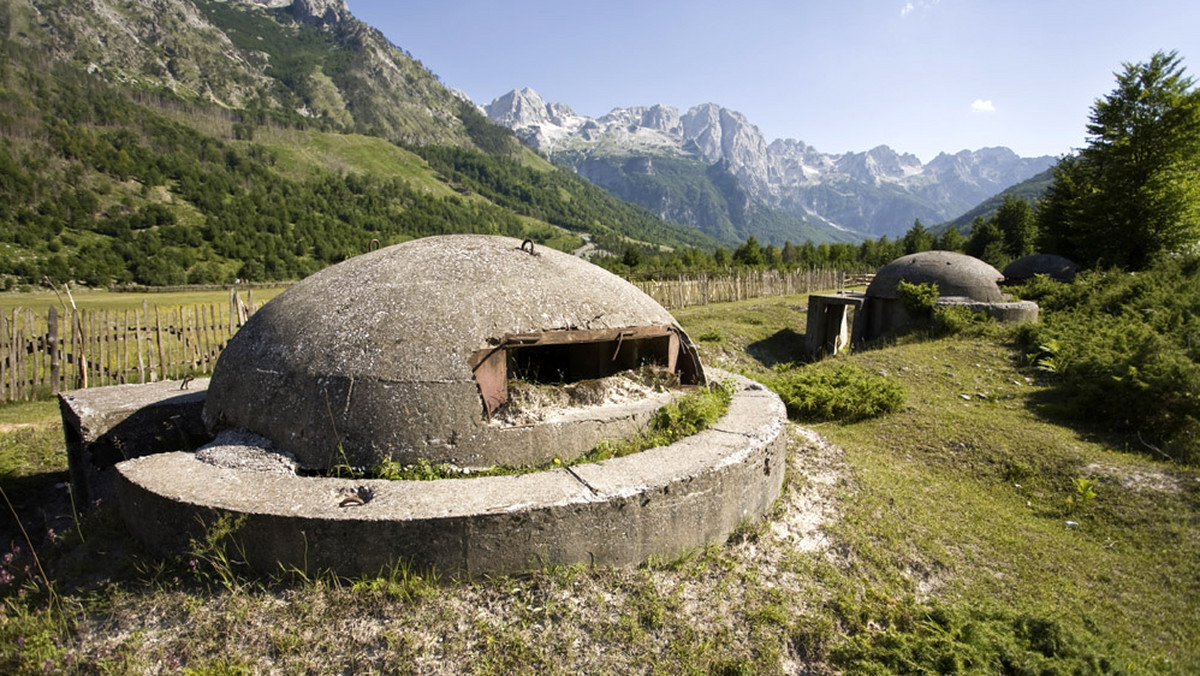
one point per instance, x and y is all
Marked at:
(1134, 191)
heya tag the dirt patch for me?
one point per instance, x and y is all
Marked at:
(819, 471)
(1136, 479)
(5, 428)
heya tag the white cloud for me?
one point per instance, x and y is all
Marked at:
(911, 6)
(981, 106)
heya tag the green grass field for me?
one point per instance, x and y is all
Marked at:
(966, 533)
(100, 299)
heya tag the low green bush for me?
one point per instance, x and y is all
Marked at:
(952, 319)
(918, 299)
(1123, 350)
(845, 393)
(939, 639)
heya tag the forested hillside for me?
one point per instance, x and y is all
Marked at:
(109, 180)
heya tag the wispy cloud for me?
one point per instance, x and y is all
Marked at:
(981, 106)
(911, 6)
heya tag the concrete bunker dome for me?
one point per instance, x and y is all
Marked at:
(961, 281)
(1055, 267)
(405, 352)
(955, 275)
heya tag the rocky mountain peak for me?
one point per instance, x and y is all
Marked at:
(726, 135)
(321, 12)
(879, 191)
(312, 12)
(518, 109)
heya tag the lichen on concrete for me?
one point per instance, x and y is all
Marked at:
(236, 449)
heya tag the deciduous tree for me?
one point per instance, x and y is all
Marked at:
(1134, 191)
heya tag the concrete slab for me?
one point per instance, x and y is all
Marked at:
(661, 502)
(105, 425)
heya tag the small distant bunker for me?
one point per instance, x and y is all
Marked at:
(1055, 267)
(961, 280)
(405, 354)
(955, 275)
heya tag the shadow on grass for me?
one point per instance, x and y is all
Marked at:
(1051, 405)
(782, 347)
(40, 502)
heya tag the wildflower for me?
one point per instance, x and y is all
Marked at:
(20, 641)
(6, 577)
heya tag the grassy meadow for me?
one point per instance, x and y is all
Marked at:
(966, 532)
(102, 299)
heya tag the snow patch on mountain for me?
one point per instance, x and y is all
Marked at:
(879, 191)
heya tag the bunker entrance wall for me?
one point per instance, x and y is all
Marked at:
(556, 357)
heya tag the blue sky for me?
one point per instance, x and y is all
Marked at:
(922, 76)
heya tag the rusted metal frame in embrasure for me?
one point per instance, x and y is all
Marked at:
(587, 354)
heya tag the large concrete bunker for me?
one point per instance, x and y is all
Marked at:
(408, 354)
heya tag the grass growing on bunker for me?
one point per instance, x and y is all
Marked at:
(933, 538)
(689, 414)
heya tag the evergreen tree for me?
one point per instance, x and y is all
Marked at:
(917, 239)
(986, 242)
(1017, 225)
(750, 254)
(951, 240)
(1134, 191)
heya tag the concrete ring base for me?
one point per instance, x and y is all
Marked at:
(661, 502)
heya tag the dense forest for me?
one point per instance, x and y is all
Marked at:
(102, 188)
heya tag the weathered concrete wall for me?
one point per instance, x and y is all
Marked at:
(660, 502)
(105, 425)
(1014, 311)
(374, 354)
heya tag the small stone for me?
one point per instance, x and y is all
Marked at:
(1072, 524)
(965, 397)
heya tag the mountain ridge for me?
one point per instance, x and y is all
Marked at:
(873, 193)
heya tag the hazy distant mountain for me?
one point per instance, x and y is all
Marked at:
(1031, 190)
(872, 193)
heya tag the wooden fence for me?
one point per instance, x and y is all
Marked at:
(41, 354)
(65, 350)
(703, 289)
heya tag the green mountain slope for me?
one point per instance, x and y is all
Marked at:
(1030, 190)
(220, 140)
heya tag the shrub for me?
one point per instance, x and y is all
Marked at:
(1121, 350)
(918, 299)
(844, 392)
(953, 319)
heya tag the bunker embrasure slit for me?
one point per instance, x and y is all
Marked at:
(571, 356)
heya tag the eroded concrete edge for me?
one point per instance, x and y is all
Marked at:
(661, 502)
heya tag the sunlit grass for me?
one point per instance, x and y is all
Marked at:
(959, 537)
